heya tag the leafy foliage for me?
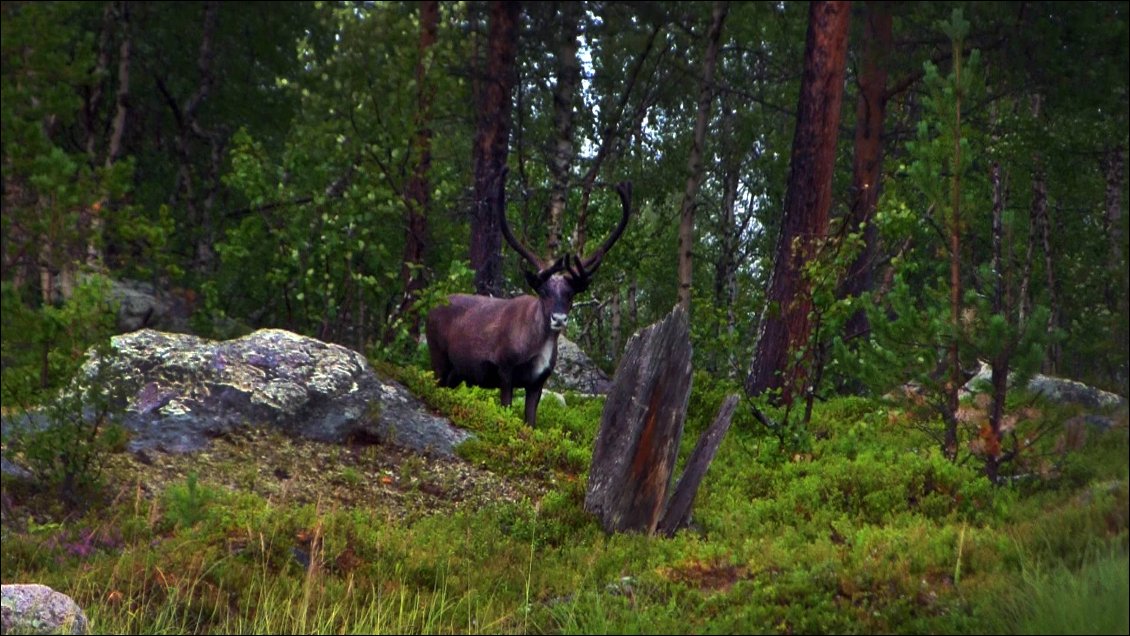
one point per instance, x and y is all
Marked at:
(66, 445)
(43, 348)
(324, 240)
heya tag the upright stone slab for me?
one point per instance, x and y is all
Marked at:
(641, 427)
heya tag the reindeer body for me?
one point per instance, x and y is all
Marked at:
(512, 343)
(495, 344)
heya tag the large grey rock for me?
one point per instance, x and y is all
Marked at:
(1060, 390)
(12, 470)
(181, 390)
(38, 609)
(575, 371)
(142, 305)
(1070, 391)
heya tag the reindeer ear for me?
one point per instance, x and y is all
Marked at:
(532, 279)
(579, 279)
(537, 281)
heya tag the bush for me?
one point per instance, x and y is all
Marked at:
(66, 443)
(187, 504)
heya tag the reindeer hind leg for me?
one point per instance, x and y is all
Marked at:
(444, 370)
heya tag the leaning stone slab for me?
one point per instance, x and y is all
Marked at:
(38, 609)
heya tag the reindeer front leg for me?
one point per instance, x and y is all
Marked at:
(533, 396)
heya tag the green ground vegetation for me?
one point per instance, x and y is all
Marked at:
(871, 531)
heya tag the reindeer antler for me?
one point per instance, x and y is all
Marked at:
(544, 271)
(580, 269)
(586, 267)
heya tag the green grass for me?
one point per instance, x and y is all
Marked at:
(1055, 599)
(870, 532)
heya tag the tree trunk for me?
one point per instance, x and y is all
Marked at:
(1000, 361)
(1040, 230)
(1023, 296)
(633, 303)
(564, 95)
(115, 17)
(726, 270)
(727, 230)
(92, 103)
(1036, 214)
(202, 211)
(1113, 171)
(1052, 362)
(492, 114)
(95, 258)
(867, 160)
(694, 160)
(1118, 300)
(417, 190)
(188, 128)
(614, 310)
(785, 324)
(121, 99)
(955, 381)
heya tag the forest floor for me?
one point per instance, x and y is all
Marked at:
(394, 483)
(870, 531)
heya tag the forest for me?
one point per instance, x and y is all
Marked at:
(883, 221)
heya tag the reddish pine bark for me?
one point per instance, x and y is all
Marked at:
(867, 160)
(492, 136)
(416, 192)
(785, 324)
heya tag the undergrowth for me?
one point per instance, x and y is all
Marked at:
(873, 531)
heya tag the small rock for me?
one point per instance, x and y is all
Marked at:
(38, 609)
(14, 471)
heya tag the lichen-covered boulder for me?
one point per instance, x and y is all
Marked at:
(181, 390)
(142, 305)
(38, 609)
(1073, 392)
(575, 371)
(1058, 390)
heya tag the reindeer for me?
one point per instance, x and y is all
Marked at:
(507, 343)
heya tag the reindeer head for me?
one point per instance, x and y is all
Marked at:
(556, 284)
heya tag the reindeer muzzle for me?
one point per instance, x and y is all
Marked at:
(557, 322)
